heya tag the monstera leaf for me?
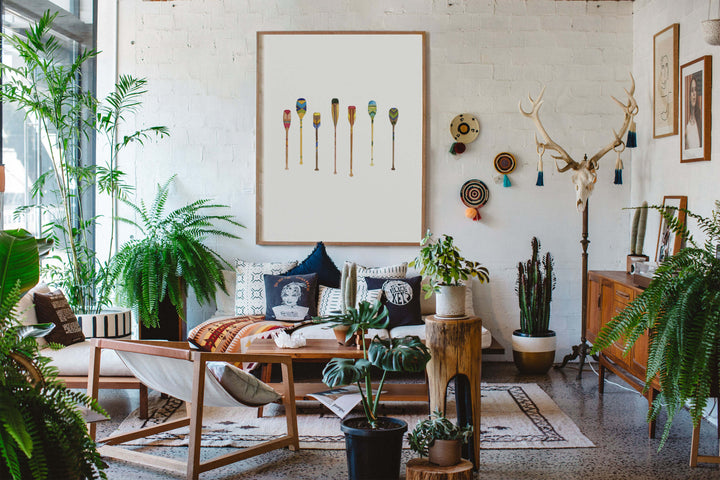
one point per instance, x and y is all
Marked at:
(344, 371)
(19, 261)
(406, 354)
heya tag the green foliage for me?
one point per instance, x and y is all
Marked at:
(42, 432)
(534, 289)
(52, 93)
(442, 262)
(436, 427)
(407, 354)
(681, 310)
(171, 257)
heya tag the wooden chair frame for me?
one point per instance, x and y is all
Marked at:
(180, 350)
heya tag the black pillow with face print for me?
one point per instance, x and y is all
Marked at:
(291, 298)
(401, 296)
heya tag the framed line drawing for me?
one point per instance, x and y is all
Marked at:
(695, 125)
(668, 243)
(340, 137)
(665, 81)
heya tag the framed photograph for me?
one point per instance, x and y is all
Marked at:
(696, 78)
(668, 243)
(341, 138)
(665, 81)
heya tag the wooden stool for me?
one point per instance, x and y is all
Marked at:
(422, 469)
(456, 349)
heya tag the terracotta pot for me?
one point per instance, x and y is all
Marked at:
(445, 453)
(450, 301)
(341, 333)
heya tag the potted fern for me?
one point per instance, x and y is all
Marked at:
(153, 273)
(439, 439)
(447, 269)
(42, 431)
(680, 308)
(534, 343)
(372, 436)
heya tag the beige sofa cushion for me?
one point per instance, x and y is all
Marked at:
(74, 361)
(25, 308)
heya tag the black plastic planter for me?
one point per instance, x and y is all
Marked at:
(374, 454)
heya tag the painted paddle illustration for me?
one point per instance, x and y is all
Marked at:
(335, 110)
(393, 120)
(316, 124)
(351, 118)
(301, 107)
(286, 121)
(372, 110)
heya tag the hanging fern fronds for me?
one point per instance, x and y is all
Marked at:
(681, 310)
(171, 257)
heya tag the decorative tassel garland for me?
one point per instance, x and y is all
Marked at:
(506, 181)
(540, 151)
(631, 137)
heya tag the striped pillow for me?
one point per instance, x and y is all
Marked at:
(391, 271)
(329, 301)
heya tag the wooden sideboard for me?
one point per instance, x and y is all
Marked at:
(609, 292)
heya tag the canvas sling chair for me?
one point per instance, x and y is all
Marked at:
(177, 370)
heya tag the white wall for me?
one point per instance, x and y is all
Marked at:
(484, 56)
(657, 171)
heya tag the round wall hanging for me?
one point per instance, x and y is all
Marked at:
(464, 129)
(474, 194)
(505, 163)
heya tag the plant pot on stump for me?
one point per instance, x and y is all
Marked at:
(450, 301)
(445, 453)
(533, 354)
(373, 454)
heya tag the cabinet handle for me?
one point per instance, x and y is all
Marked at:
(622, 294)
(599, 305)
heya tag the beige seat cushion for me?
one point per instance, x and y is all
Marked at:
(74, 361)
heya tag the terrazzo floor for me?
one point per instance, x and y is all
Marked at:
(614, 422)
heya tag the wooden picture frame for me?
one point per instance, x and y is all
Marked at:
(695, 124)
(668, 243)
(356, 173)
(665, 81)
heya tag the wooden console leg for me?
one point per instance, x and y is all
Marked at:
(143, 401)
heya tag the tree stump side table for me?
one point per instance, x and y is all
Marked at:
(422, 469)
(456, 349)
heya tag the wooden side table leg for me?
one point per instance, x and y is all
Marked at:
(265, 375)
(601, 378)
(694, 444)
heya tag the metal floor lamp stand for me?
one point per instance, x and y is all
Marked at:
(583, 349)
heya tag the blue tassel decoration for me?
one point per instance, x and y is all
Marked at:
(539, 182)
(618, 177)
(632, 136)
(506, 181)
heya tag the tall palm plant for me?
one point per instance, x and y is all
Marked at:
(681, 310)
(171, 256)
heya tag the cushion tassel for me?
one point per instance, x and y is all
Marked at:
(506, 181)
(632, 136)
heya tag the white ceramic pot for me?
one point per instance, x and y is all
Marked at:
(533, 354)
(110, 323)
(450, 301)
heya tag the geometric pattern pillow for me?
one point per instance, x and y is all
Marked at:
(391, 271)
(329, 301)
(53, 308)
(250, 284)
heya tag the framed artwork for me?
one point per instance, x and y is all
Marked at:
(696, 78)
(340, 138)
(665, 81)
(668, 243)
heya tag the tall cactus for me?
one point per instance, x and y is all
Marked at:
(535, 283)
(637, 235)
(348, 286)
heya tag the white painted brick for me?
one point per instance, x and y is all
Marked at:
(510, 7)
(556, 23)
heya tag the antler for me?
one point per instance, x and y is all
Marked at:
(549, 143)
(630, 110)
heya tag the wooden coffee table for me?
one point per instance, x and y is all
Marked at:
(323, 351)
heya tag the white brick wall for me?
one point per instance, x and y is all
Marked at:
(484, 56)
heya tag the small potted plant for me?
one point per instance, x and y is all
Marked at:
(371, 436)
(534, 343)
(442, 262)
(439, 439)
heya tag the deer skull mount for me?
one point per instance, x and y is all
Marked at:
(584, 172)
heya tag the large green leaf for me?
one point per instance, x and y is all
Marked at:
(19, 261)
(406, 354)
(344, 371)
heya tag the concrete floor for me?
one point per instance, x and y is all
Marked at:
(615, 423)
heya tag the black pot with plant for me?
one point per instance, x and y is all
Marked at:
(534, 343)
(448, 270)
(153, 273)
(681, 310)
(439, 439)
(42, 431)
(373, 443)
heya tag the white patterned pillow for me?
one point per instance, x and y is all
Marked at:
(391, 271)
(329, 301)
(250, 284)
(373, 296)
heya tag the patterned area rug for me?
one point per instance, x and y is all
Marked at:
(519, 415)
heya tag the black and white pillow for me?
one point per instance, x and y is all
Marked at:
(250, 286)
(291, 298)
(390, 271)
(401, 296)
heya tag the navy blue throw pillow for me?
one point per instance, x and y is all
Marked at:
(401, 296)
(291, 297)
(319, 262)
